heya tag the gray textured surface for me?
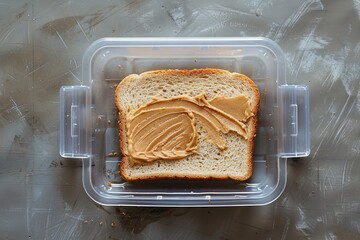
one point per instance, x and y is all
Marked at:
(41, 46)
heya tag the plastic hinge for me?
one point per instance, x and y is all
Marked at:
(294, 120)
(74, 121)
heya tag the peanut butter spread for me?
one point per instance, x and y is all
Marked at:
(159, 133)
(165, 128)
(238, 107)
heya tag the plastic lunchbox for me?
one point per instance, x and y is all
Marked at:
(88, 124)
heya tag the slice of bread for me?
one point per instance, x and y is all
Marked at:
(235, 162)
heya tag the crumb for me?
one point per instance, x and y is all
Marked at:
(99, 118)
(112, 223)
(100, 223)
(108, 121)
(122, 213)
(112, 153)
(109, 184)
(115, 85)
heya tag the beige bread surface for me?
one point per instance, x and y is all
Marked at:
(235, 162)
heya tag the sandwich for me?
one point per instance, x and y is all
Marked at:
(187, 124)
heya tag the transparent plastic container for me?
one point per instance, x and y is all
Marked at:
(88, 124)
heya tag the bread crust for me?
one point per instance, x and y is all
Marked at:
(193, 72)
